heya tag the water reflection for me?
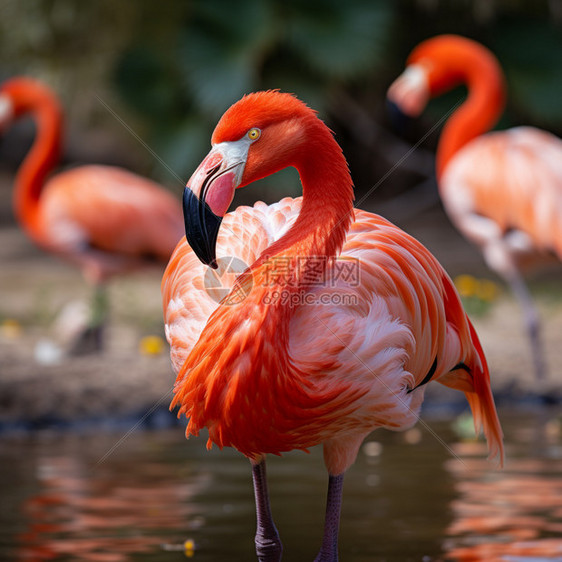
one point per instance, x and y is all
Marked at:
(405, 499)
(84, 511)
(510, 515)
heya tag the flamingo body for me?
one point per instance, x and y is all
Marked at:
(517, 184)
(343, 369)
(297, 354)
(502, 190)
(106, 219)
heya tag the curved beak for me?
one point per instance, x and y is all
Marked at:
(201, 227)
(6, 112)
(207, 196)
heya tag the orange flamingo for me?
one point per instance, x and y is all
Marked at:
(104, 219)
(298, 354)
(502, 190)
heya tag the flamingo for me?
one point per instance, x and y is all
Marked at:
(298, 354)
(104, 219)
(502, 190)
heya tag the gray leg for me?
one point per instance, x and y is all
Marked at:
(268, 543)
(90, 340)
(532, 323)
(329, 550)
(501, 256)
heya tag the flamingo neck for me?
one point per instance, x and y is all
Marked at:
(327, 206)
(469, 63)
(43, 155)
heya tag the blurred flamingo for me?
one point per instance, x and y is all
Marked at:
(502, 190)
(104, 219)
(299, 354)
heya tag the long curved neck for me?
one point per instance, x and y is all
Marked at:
(43, 155)
(327, 205)
(473, 65)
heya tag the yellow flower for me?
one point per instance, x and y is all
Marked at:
(487, 290)
(466, 285)
(189, 548)
(151, 345)
(11, 329)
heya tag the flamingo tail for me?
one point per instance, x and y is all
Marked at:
(474, 381)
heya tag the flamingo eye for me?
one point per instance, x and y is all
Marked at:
(254, 134)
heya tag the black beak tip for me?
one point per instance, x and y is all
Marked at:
(201, 228)
(399, 120)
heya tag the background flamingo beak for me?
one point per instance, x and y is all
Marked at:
(6, 112)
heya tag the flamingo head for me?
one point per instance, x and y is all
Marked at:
(410, 92)
(437, 65)
(262, 133)
(432, 68)
(20, 95)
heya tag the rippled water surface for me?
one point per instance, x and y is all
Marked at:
(100, 497)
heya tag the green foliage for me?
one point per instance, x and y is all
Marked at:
(531, 55)
(219, 51)
(340, 39)
(178, 64)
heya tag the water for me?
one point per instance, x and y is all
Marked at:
(98, 497)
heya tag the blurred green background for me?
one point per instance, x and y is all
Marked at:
(167, 70)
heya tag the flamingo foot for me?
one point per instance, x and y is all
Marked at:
(268, 542)
(90, 340)
(329, 550)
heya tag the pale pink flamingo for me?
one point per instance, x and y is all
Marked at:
(104, 219)
(502, 190)
(297, 355)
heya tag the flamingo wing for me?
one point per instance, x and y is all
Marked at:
(514, 179)
(405, 327)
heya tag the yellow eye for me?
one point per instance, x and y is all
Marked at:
(254, 134)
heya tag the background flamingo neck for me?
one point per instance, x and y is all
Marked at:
(476, 67)
(42, 157)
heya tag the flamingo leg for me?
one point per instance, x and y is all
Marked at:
(329, 550)
(532, 321)
(100, 305)
(268, 543)
(502, 253)
(90, 339)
